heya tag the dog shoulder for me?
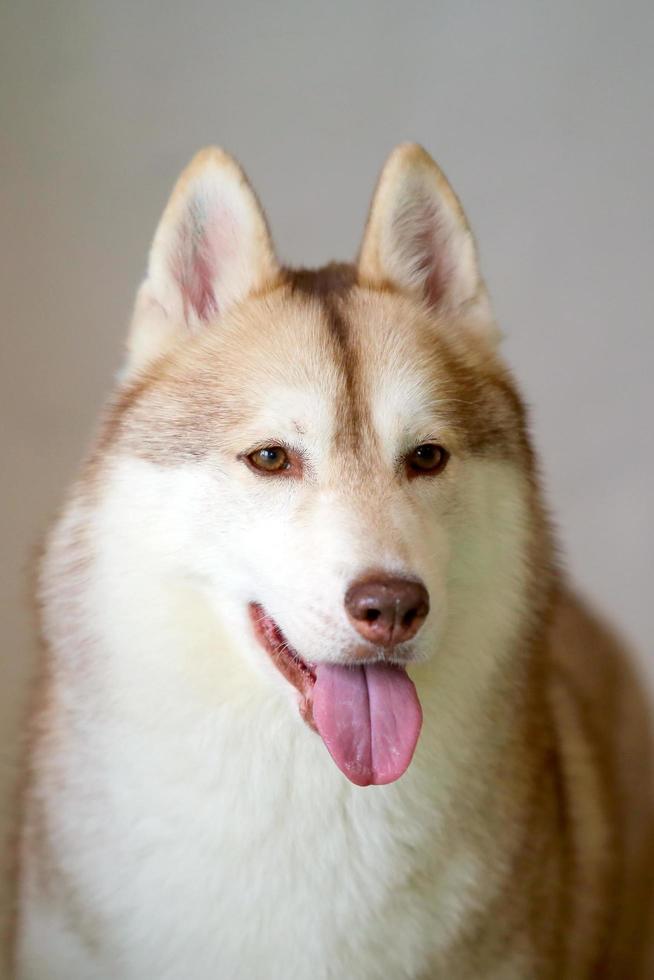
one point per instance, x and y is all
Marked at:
(600, 711)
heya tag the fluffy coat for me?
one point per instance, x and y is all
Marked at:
(182, 818)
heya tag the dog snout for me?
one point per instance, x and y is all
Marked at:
(386, 610)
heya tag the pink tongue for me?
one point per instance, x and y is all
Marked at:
(369, 718)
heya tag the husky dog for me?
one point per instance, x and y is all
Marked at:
(316, 701)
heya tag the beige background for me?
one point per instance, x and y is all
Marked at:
(541, 113)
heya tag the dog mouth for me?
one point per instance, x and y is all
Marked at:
(367, 714)
(289, 663)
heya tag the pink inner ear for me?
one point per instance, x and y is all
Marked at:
(206, 243)
(433, 262)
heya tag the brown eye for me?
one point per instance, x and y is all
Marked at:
(270, 459)
(428, 459)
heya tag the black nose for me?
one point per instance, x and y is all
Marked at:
(387, 611)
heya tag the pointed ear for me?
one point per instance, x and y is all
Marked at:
(211, 249)
(418, 240)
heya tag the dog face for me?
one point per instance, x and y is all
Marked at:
(339, 452)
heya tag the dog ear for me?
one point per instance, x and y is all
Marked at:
(211, 249)
(417, 239)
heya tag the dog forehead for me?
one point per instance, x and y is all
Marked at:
(364, 357)
(337, 371)
(423, 375)
(279, 357)
(359, 365)
(295, 363)
(400, 368)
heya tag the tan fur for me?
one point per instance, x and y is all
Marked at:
(565, 772)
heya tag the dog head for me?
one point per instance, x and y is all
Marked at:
(338, 454)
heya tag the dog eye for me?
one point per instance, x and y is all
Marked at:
(428, 459)
(269, 459)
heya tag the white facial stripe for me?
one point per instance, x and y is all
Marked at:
(404, 410)
(303, 417)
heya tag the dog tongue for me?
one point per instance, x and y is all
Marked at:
(369, 718)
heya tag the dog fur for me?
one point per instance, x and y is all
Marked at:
(181, 817)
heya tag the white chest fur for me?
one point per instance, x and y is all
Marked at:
(235, 848)
(200, 829)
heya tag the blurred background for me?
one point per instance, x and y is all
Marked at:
(540, 114)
